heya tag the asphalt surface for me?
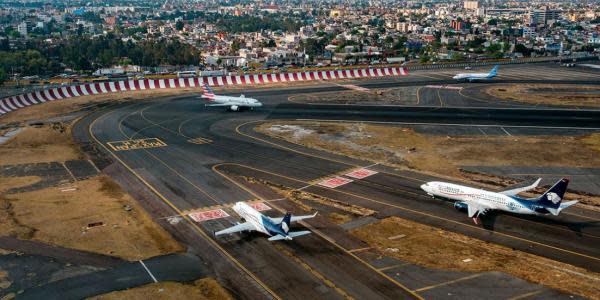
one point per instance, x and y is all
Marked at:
(177, 267)
(189, 175)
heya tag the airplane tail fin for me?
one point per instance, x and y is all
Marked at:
(207, 92)
(285, 223)
(494, 71)
(552, 198)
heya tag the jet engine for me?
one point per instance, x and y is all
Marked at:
(461, 206)
(234, 108)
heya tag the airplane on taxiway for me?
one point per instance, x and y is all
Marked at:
(232, 103)
(477, 202)
(470, 77)
(276, 228)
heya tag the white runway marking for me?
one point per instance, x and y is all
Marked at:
(148, 270)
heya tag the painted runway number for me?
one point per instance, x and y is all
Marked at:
(361, 173)
(136, 144)
(259, 206)
(200, 141)
(214, 214)
(334, 182)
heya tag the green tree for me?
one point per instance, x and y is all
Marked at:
(235, 46)
(522, 49)
(179, 25)
(457, 56)
(3, 76)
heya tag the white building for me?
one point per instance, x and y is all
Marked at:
(471, 4)
(22, 29)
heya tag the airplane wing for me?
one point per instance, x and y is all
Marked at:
(521, 189)
(237, 228)
(295, 218)
(223, 104)
(290, 235)
(475, 209)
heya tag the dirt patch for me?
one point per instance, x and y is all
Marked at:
(37, 144)
(546, 94)
(404, 147)
(7, 183)
(593, 141)
(4, 282)
(97, 216)
(509, 150)
(338, 219)
(206, 288)
(5, 252)
(400, 147)
(434, 248)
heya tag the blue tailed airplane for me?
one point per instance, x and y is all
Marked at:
(477, 202)
(470, 77)
(276, 228)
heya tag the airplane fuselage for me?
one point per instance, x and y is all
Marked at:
(491, 200)
(473, 77)
(234, 103)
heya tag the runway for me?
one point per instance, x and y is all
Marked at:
(207, 152)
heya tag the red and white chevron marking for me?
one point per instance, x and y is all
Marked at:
(19, 101)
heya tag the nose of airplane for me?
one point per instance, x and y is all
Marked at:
(425, 187)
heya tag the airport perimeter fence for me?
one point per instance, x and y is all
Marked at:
(11, 91)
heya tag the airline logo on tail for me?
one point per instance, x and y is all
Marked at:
(553, 197)
(207, 92)
(493, 72)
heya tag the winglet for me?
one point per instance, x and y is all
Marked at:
(522, 189)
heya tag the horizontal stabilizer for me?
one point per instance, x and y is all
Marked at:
(295, 218)
(278, 238)
(567, 204)
(237, 228)
(298, 233)
(290, 235)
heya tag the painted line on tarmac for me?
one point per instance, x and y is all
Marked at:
(448, 282)
(526, 295)
(507, 133)
(393, 266)
(148, 270)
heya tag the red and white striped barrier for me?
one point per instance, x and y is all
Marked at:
(19, 101)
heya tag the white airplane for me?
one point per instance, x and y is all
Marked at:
(232, 103)
(470, 77)
(477, 202)
(276, 228)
